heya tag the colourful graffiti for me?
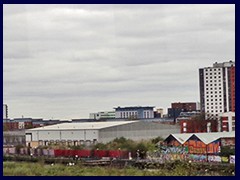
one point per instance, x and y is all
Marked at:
(224, 159)
(197, 158)
(214, 158)
(174, 149)
(232, 159)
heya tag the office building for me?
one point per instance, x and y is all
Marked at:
(217, 89)
(135, 112)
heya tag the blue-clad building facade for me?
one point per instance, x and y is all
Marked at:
(135, 112)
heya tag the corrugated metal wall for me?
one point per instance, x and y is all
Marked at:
(138, 131)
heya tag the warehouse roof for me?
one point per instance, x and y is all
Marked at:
(182, 138)
(204, 137)
(83, 125)
(210, 137)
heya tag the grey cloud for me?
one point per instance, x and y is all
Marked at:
(71, 60)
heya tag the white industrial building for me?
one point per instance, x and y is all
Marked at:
(93, 132)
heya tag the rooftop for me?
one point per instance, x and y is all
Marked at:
(134, 107)
(204, 137)
(82, 125)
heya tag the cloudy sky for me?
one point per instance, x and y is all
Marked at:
(65, 61)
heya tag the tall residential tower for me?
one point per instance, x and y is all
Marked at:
(217, 89)
(5, 111)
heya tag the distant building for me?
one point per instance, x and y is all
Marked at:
(227, 121)
(178, 107)
(186, 106)
(158, 113)
(198, 126)
(26, 123)
(187, 115)
(135, 112)
(5, 111)
(13, 138)
(217, 89)
(102, 115)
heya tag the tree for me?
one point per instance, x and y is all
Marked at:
(227, 150)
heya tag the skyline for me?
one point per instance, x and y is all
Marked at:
(66, 61)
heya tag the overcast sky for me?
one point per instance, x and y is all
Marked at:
(66, 61)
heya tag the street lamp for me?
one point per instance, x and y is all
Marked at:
(119, 153)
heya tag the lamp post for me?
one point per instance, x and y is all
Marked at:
(119, 153)
(97, 153)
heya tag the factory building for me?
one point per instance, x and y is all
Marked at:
(137, 112)
(93, 132)
(201, 143)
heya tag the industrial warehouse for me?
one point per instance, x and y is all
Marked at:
(95, 132)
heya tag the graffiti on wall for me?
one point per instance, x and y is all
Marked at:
(174, 150)
(214, 158)
(224, 159)
(197, 158)
(198, 147)
(232, 159)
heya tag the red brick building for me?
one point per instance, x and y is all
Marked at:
(227, 121)
(197, 126)
(232, 88)
(185, 106)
